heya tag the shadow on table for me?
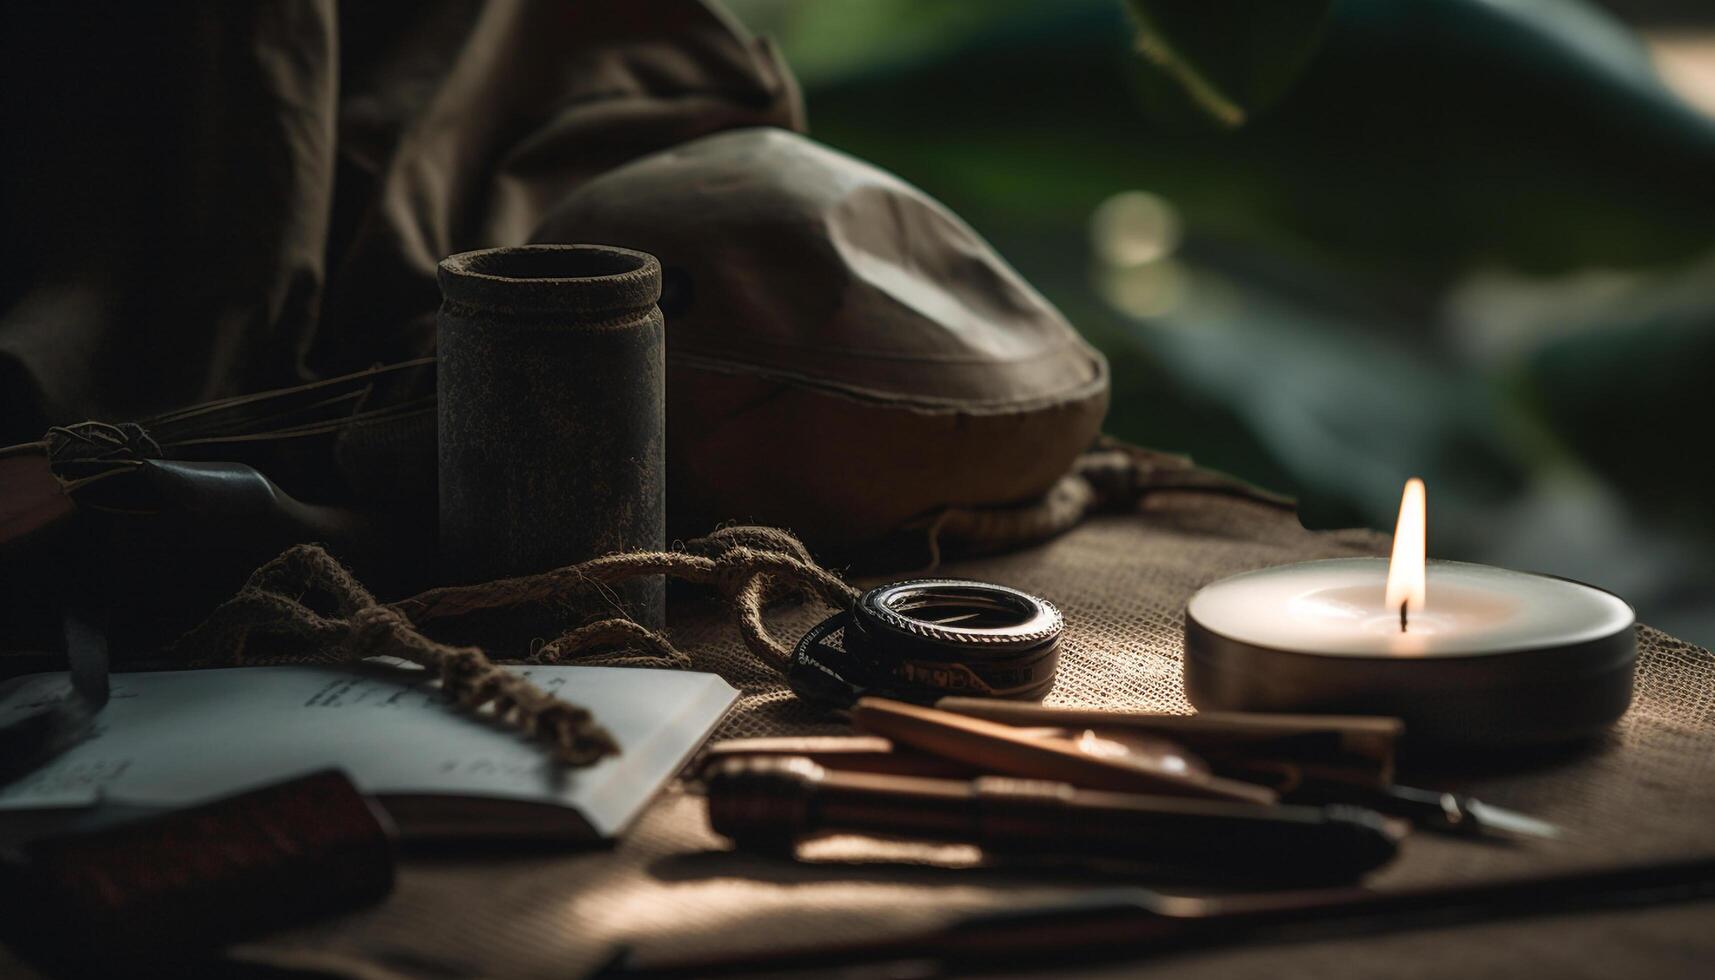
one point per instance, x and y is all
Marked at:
(1451, 766)
(884, 864)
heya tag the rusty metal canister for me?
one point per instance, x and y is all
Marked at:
(551, 415)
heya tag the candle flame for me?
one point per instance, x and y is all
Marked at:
(1405, 575)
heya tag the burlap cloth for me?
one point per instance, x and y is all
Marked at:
(672, 886)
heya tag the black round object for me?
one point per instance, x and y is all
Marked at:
(1530, 695)
(927, 639)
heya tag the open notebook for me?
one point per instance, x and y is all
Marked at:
(174, 738)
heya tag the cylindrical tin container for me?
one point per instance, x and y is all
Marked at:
(551, 402)
(1566, 675)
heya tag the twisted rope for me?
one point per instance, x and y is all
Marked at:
(1112, 477)
(274, 618)
(100, 441)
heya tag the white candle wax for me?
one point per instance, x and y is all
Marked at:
(1336, 608)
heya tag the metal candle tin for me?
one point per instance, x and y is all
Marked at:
(1567, 678)
(551, 412)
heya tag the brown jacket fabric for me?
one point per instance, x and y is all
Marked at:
(203, 199)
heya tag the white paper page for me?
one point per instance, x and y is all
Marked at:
(179, 737)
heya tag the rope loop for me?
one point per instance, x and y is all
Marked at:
(748, 566)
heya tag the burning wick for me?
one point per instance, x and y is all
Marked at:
(1405, 571)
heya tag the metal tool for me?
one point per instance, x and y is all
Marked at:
(1428, 809)
(1451, 813)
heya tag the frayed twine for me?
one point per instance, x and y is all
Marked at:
(748, 566)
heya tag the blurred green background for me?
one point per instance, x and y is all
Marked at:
(1327, 246)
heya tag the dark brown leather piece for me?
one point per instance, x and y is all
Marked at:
(177, 885)
(179, 537)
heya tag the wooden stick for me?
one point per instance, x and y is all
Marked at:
(994, 747)
(1371, 741)
(846, 753)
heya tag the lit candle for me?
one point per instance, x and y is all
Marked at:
(1464, 653)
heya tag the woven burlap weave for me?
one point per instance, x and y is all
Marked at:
(672, 887)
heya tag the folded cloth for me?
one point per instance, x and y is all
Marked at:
(226, 198)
